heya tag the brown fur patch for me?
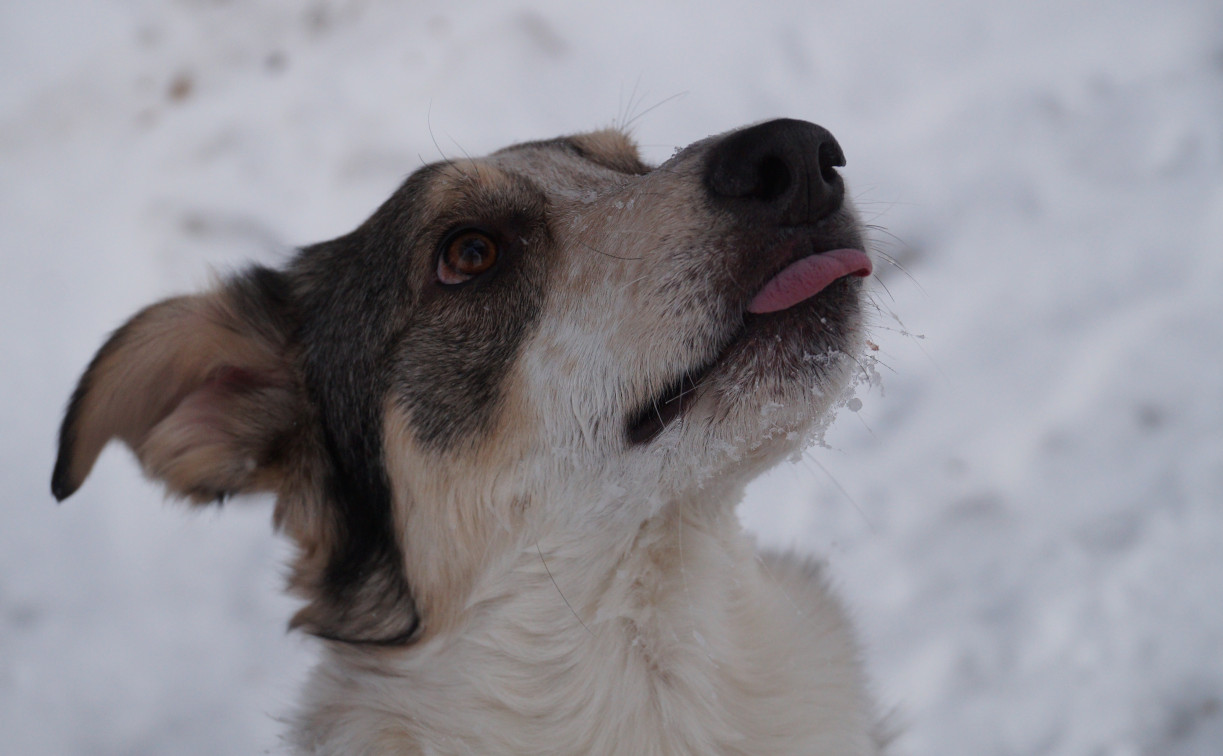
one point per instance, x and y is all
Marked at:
(177, 384)
(458, 512)
(611, 149)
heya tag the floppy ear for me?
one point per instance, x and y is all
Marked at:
(200, 387)
(205, 390)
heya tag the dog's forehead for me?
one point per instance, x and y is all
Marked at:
(526, 177)
(575, 159)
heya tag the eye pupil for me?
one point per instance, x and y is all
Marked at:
(473, 251)
(465, 256)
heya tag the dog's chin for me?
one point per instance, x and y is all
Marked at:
(770, 387)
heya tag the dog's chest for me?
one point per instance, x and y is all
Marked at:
(702, 660)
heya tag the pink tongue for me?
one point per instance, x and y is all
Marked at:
(809, 276)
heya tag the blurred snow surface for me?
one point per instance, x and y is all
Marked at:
(1027, 520)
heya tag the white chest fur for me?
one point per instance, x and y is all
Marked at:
(686, 642)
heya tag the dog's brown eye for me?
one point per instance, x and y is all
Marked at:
(465, 256)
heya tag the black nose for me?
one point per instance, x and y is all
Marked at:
(782, 172)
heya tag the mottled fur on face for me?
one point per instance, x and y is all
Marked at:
(420, 435)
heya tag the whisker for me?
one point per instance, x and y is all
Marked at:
(869, 523)
(432, 136)
(436, 146)
(558, 589)
(891, 260)
(606, 254)
(883, 286)
(628, 107)
(916, 339)
(474, 165)
(647, 111)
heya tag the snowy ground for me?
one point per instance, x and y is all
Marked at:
(1027, 520)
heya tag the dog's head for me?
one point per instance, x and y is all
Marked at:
(554, 336)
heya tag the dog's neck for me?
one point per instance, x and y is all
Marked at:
(652, 589)
(549, 626)
(674, 637)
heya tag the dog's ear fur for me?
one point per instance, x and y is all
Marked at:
(206, 391)
(201, 388)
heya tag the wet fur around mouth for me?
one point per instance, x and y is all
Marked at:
(495, 548)
(670, 405)
(645, 424)
(828, 308)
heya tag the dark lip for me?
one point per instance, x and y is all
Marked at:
(668, 405)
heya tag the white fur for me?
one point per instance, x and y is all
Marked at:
(681, 641)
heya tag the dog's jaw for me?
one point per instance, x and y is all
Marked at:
(775, 385)
(778, 375)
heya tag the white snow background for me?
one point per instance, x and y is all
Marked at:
(1027, 520)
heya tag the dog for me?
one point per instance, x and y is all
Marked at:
(507, 421)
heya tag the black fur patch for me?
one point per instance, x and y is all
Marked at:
(365, 594)
(453, 355)
(353, 293)
(375, 322)
(62, 484)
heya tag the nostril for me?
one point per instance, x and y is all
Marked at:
(781, 172)
(830, 158)
(772, 178)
